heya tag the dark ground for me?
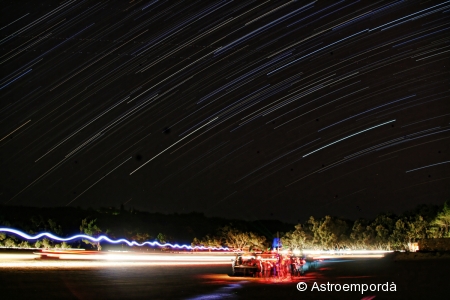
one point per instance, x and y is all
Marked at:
(414, 279)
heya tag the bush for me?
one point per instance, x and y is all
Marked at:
(24, 244)
(9, 243)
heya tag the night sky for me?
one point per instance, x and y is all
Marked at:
(239, 109)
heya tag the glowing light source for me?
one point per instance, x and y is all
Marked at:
(106, 239)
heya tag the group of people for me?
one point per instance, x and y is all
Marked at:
(278, 266)
(297, 265)
(283, 267)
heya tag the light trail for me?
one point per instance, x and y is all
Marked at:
(348, 137)
(157, 258)
(345, 252)
(106, 239)
(349, 256)
(445, 162)
(172, 145)
(15, 130)
(92, 264)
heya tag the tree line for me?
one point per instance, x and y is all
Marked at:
(116, 222)
(387, 231)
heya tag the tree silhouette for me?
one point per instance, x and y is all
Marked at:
(90, 228)
(441, 224)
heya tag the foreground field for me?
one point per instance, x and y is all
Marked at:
(31, 279)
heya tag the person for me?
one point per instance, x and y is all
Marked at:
(270, 267)
(239, 262)
(297, 266)
(276, 267)
(259, 268)
(281, 267)
(264, 269)
(287, 266)
(292, 265)
(302, 264)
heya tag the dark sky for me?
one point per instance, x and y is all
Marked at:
(243, 109)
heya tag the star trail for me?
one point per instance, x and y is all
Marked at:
(246, 109)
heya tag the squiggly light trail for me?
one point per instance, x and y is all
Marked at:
(104, 238)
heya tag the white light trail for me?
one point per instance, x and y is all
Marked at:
(173, 145)
(349, 137)
(444, 162)
(103, 238)
(96, 264)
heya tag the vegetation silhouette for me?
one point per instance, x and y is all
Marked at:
(387, 231)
